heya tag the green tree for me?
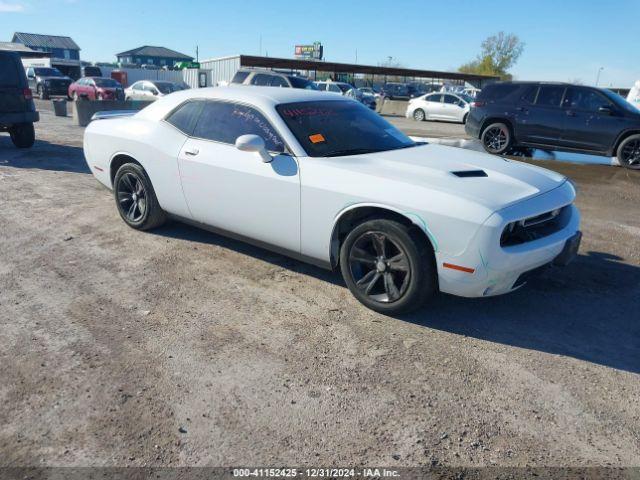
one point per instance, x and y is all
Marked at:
(498, 54)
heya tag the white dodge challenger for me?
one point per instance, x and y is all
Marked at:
(328, 181)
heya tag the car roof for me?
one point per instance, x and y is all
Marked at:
(261, 97)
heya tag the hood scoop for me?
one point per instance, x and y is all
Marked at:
(470, 173)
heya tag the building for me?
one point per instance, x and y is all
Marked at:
(55, 51)
(20, 49)
(223, 69)
(148, 55)
(63, 48)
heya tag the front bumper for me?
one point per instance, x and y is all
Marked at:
(498, 270)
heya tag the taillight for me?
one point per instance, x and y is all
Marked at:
(26, 93)
(477, 104)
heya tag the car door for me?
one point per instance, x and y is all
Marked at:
(149, 91)
(89, 89)
(539, 116)
(451, 108)
(592, 122)
(235, 190)
(434, 106)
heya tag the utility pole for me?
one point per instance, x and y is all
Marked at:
(598, 77)
(197, 55)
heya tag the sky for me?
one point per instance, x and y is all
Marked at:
(565, 40)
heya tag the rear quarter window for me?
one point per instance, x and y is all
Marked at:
(497, 93)
(9, 73)
(184, 117)
(239, 77)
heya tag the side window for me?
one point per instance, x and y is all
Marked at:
(450, 99)
(261, 80)
(184, 118)
(434, 98)
(529, 95)
(137, 86)
(148, 87)
(322, 86)
(240, 77)
(225, 122)
(279, 82)
(30, 73)
(333, 88)
(585, 99)
(550, 96)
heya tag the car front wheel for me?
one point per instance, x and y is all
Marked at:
(23, 135)
(497, 139)
(135, 198)
(629, 152)
(388, 266)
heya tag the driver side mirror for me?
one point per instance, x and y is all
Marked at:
(253, 143)
(606, 110)
(154, 92)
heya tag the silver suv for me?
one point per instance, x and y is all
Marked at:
(268, 78)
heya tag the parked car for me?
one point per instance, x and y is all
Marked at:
(370, 91)
(634, 95)
(348, 90)
(150, 90)
(556, 116)
(48, 82)
(268, 78)
(395, 91)
(325, 179)
(439, 106)
(17, 110)
(96, 88)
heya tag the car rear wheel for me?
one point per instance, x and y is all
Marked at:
(135, 198)
(23, 135)
(388, 266)
(41, 93)
(497, 138)
(629, 152)
(418, 115)
(464, 119)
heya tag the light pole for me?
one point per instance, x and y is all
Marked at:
(598, 77)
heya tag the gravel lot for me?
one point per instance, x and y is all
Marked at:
(180, 347)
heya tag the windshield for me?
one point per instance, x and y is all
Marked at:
(332, 128)
(165, 87)
(620, 101)
(106, 82)
(47, 72)
(298, 82)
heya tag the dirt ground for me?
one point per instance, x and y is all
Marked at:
(180, 347)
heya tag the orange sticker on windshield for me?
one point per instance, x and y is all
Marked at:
(317, 138)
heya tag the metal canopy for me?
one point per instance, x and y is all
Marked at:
(294, 64)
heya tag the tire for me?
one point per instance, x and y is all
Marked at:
(628, 153)
(41, 93)
(464, 119)
(497, 139)
(135, 198)
(419, 115)
(380, 253)
(23, 135)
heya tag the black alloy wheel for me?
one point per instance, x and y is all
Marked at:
(379, 267)
(132, 197)
(136, 199)
(629, 152)
(389, 266)
(496, 138)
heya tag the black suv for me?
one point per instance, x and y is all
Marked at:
(17, 111)
(556, 116)
(48, 82)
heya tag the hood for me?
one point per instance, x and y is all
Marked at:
(431, 166)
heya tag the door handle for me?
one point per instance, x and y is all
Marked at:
(193, 152)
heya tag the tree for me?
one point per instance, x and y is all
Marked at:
(498, 54)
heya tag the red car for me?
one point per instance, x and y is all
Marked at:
(96, 88)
